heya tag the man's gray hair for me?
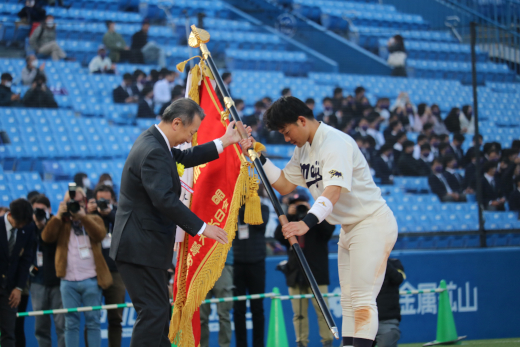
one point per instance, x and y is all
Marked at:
(184, 109)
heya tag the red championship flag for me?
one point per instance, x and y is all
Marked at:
(218, 191)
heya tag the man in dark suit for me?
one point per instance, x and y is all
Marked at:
(408, 165)
(149, 211)
(439, 184)
(16, 257)
(456, 147)
(492, 197)
(127, 92)
(146, 104)
(383, 164)
(514, 197)
(454, 179)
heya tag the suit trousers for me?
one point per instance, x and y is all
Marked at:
(47, 298)
(115, 294)
(223, 288)
(7, 319)
(249, 278)
(148, 289)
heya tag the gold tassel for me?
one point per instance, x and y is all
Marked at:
(182, 65)
(253, 212)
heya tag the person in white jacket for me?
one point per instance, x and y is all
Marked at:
(467, 122)
(101, 64)
(162, 90)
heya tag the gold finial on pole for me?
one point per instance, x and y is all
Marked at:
(199, 38)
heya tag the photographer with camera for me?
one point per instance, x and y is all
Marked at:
(315, 248)
(45, 285)
(103, 205)
(39, 94)
(79, 263)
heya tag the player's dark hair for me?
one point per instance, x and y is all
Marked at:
(21, 211)
(286, 110)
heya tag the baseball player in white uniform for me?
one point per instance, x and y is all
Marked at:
(329, 163)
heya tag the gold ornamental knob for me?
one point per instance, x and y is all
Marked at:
(197, 36)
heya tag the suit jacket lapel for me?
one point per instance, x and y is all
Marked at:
(3, 237)
(173, 163)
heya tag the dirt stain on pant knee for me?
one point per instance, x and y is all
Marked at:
(361, 318)
(382, 268)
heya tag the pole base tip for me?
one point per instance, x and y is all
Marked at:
(334, 331)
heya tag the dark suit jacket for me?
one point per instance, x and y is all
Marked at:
(14, 270)
(144, 110)
(514, 200)
(120, 94)
(149, 208)
(488, 192)
(382, 169)
(469, 176)
(409, 166)
(454, 182)
(437, 186)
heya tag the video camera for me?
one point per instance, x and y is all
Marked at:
(73, 205)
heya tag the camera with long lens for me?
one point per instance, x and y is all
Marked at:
(73, 205)
(102, 204)
(40, 214)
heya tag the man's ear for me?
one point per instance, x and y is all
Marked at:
(176, 123)
(302, 120)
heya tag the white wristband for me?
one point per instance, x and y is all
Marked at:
(321, 208)
(272, 172)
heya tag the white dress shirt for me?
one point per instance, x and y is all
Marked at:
(220, 149)
(162, 92)
(8, 227)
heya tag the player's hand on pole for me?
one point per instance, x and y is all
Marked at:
(247, 143)
(215, 233)
(294, 229)
(232, 135)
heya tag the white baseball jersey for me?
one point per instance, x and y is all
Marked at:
(334, 159)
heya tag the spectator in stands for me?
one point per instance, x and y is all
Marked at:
(398, 146)
(310, 103)
(407, 164)
(421, 140)
(452, 120)
(514, 197)
(31, 70)
(80, 264)
(119, 50)
(444, 138)
(101, 64)
(240, 106)
(472, 150)
(508, 167)
(360, 102)
(268, 101)
(162, 90)
(402, 99)
(434, 144)
(126, 92)
(410, 118)
(286, 92)
(383, 164)
(227, 77)
(427, 130)
(315, 248)
(149, 51)
(146, 104)
(492, 196)
(382, 107)
(178, 92)
(45, 285)
(362, 127)
(337, 99)
(467, 123)
(397, 56)
(424, 116)
(103, 205)
(492, 155)
(425, 159)
(388, 306)
(440, 185)
(39, 95)
(140, 79)
(249, 253)
(374, 122)
(455, 180)
(43, 40)
(443, 149)
(81, 179)
(31, 13)
(456, 146)
(259, 111)
(7, 97)
(394, 128)
(327, 115)
(16, 258)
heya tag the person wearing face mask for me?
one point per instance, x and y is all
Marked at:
(103, 205)
(7, 97)
(101, 64)
(374, 121)
(79, 263)
(119, 51)
(467, 123)
(362, 127)
(43, 40)
(407, 164)
(456, 147)
(31, 70)
(327, 116)
(106, 180)
(440, 186)
(140, 80)
(81, 179)
(382, 107)
(146, 104)
(39, 95)
(384, 165)
(492, 195)
(398, 145)
(424, 160)
(434, 144)
(421, 140)
(455, 180)
(31, 13)
(45, 285)
(162, 90)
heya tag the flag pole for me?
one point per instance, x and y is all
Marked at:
(199, 38)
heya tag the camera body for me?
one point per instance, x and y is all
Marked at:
(102, 204)
(40, 214)
(72, 205)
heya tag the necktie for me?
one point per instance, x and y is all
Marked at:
(12, 241)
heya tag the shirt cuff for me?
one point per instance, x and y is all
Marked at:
(202, 229)
(219, 145)
(20, 289)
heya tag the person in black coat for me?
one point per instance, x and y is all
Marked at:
(440, 186)
(315, 248)
(456, 147)
(408, 165)
(388, 306)
(146, 104)
(31, 13)
(383, 164)
(455, 180)
(16, 258)
(514, 197)
(492, 196)
(249, 251)
(127, 92)
(39, 95)
(149, 211)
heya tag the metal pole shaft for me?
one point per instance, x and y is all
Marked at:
(279, 211)
(481, 228)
